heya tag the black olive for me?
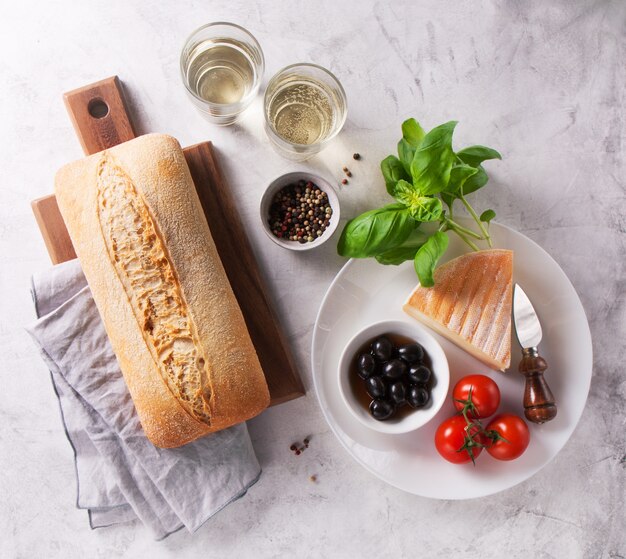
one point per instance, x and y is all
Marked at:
(366, 365)
(382, 348)
(411, 353)
(419, 374)
(376, 387)
(381, 409)
(395, 369)
(417, 396)
(397, 393)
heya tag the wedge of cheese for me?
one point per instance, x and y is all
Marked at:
(470, 304)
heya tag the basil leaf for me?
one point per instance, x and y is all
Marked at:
(376, 231)
(427, 257)
(433, 161)
(473, 183)
(448, 199)
(406, 251)
(422, 208)
(412, 132)
(393, 171)
(487, 216)
(396, 256)
(406, 152)
(405, 191)
(426, 209)
(475, 155)
(458, 175)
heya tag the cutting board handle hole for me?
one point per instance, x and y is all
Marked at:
(98, 108)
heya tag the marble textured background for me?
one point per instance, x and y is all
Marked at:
(543, 82)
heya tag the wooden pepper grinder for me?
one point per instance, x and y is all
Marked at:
(539, 404)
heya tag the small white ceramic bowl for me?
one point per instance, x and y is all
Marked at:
(289, 178)
(439, 387)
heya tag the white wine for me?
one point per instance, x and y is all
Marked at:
(305, 107)
(221, 65)
(301, 111)
(220, 71)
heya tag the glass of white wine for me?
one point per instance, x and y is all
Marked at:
(222, 65)
(305, 107)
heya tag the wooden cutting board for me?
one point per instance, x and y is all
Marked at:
(101, 120)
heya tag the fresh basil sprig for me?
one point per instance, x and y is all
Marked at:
(427, 174)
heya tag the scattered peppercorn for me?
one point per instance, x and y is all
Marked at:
(300, 212)
(313, 478)
(299, 448)
(345, 169)
(344, 181)
(349, 173)
(356, 156)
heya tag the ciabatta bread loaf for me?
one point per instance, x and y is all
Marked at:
(470, 304)
(173, 321)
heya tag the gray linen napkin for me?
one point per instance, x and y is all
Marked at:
(121, 475)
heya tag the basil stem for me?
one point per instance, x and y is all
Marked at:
(452, 225)
(465, 230)
(471, 211)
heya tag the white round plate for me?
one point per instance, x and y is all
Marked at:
(365, 291)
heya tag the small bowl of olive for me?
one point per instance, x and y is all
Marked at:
(393, 376)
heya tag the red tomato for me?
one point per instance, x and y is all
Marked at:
(450, 438)
(514, 430)
(485, 395)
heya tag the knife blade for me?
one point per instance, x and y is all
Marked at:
(539, 403)
(527, 325)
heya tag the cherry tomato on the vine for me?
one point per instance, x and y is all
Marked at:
(514, 430)
(454, 442)
(485, 395)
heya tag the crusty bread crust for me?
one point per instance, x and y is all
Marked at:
(232, 379)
